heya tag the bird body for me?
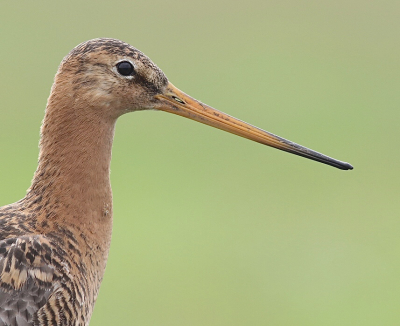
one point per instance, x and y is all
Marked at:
(54, 242)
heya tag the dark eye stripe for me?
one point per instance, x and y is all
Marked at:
(125, 68)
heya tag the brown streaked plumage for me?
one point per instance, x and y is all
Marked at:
(54, 242)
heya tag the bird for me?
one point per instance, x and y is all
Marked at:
(54, 242)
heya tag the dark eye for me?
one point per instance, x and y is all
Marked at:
(125, 68)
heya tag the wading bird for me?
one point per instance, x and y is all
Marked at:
(54, 242)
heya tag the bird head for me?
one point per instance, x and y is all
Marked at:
(109, 77)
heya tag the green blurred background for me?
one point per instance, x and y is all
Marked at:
(210, 228)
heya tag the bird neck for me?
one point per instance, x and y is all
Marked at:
(73, 173)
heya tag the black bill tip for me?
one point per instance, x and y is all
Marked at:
(344, 166)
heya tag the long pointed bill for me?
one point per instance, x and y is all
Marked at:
(177, 102)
